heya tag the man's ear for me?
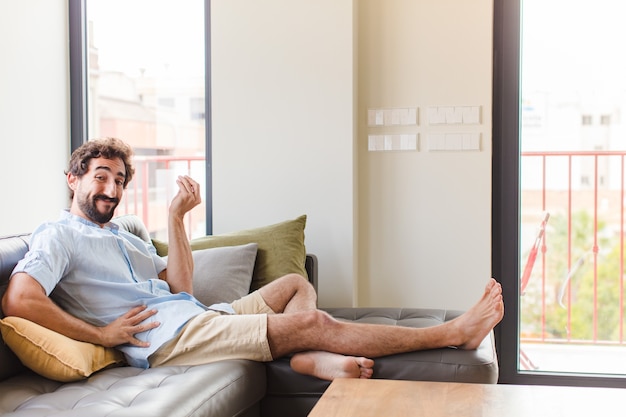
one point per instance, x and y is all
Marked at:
(72, 181)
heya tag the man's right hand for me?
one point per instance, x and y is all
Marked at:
(26, 298)
(123, 330)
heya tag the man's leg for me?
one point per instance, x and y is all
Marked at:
(289, 294)
(293, 293)
(314, 330)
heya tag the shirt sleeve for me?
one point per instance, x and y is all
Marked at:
(48, 257)
(159, 263)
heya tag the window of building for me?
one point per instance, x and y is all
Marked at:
(197, 109)
(166, 102)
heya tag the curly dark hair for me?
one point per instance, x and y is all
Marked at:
(108, 148)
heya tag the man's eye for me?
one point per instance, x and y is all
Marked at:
(119, 182)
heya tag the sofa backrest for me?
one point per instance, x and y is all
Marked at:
(12, 249)
(133, 224)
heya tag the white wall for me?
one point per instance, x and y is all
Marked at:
(34, 112)
(284, 79)
(425, 217)
(283, 133)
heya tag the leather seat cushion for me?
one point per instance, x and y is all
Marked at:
(288, 390)
(226, 388)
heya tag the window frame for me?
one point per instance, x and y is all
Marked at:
(506, 200)
(78, 68)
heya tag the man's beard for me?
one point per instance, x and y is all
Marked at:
(88, 206)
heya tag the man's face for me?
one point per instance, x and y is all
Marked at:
(98, 192)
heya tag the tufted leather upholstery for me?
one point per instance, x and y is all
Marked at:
(229, 388)
(450, 364)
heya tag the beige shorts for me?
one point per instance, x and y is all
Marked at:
(213, 336)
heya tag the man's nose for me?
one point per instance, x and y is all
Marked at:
(110, 189)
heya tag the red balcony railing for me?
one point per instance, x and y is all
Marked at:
(152, 188)
(576, 289)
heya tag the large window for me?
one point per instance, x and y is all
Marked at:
(139, 72)
(559, 156)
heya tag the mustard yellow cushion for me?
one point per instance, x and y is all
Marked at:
(53, 355)
(281, 248)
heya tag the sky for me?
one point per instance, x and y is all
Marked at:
(154, 35)
(574, 44)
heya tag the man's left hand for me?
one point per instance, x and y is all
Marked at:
(187, 198)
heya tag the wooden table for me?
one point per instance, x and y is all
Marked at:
(379, 397)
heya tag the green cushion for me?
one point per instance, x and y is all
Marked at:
(281, 248)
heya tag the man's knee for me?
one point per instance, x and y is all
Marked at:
(304, 330)
(317, 319)
(296, 281)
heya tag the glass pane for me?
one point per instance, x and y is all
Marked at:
(572, 174)
(147, 87)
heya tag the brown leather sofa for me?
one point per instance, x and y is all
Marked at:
(228, 388)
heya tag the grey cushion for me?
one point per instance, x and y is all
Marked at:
(222, 275)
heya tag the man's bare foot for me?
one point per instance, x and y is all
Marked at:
(328, 366)
(478, 321)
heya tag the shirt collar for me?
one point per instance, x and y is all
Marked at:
(66, 215)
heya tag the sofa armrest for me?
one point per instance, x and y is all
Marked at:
(12, 250)
(310, 265)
